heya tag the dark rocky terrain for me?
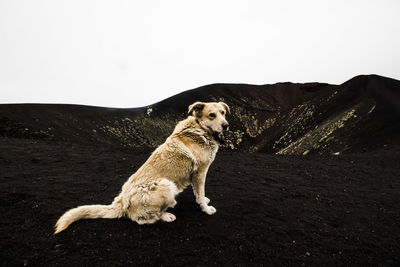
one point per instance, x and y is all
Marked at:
(309, 175)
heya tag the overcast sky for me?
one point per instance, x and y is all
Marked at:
(135, 53)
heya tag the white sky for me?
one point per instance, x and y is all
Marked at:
(135, 53)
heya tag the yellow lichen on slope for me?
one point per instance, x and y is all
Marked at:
(318, 137)
(295, 121)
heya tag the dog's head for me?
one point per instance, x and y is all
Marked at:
(211, 116)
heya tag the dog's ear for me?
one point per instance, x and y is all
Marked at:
(227, 109)
(196, 107)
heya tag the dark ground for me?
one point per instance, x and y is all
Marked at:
(271, 210)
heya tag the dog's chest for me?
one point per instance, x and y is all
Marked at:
(206, 155)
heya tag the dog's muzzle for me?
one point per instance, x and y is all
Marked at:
(225, 126)
(220, 136)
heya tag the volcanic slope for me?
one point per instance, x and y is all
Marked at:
(362, 114)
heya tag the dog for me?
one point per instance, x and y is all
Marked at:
(182, 160)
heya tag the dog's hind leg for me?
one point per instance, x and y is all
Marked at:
(156, 198)
(164, 198)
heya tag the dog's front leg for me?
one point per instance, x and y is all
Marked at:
(198, 183)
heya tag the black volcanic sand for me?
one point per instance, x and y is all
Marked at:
(271, 210)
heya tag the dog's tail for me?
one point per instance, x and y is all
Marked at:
(88, 212)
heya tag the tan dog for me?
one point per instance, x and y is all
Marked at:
(182, 160)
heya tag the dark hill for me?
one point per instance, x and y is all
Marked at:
(285, 118)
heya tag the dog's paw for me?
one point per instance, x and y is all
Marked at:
(168, 217)
(206, 200)
(210, 210)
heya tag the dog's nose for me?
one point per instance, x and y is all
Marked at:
(225, 126)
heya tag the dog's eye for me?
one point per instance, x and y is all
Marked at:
(222, 112)
(212, 115)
